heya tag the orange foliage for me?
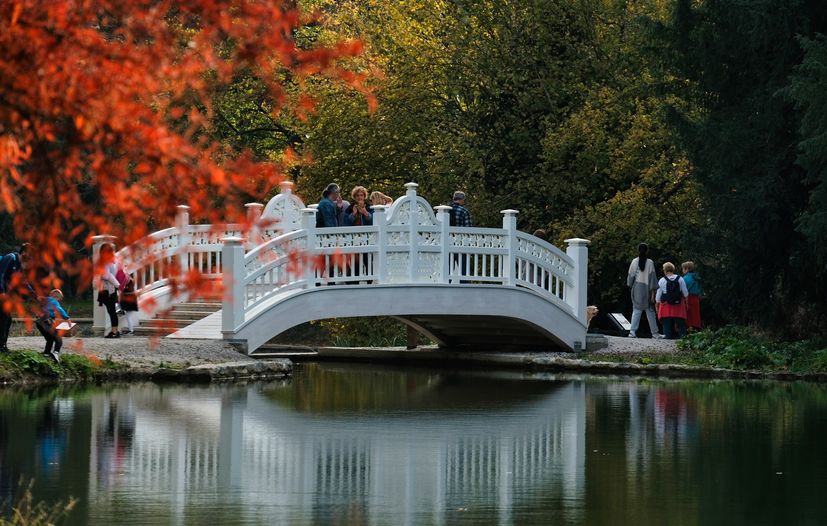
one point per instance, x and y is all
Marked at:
(113, 97)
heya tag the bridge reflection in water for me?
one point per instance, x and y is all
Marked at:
(390, 448)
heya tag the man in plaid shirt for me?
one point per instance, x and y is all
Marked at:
(460, 215)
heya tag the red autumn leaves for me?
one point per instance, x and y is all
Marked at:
(105, 112)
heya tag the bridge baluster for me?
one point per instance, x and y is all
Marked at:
(510, 226)
(182, 223)
(380, 221)
(309, 226)
(578, 251)
(443, 217)
(253, 215)
(232, 308)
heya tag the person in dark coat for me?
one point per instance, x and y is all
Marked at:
(10, 264)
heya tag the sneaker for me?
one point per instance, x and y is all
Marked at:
(632, 334)
(55, 356)
(658, 336)
(129, 333)
(4, 349)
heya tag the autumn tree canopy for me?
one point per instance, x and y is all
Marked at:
(105, 112)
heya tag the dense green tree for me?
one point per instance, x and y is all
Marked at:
(739, 57)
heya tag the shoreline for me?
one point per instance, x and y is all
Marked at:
(131, 359)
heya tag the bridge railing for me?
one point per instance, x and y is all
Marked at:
(406, 244)
(176, 250)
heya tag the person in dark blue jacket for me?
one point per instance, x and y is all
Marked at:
(328, 209)
(47, 321)
(10, 264)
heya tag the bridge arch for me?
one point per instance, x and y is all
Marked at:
(476, 288)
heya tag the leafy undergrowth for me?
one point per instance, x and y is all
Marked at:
(742, 348)
(735, 347)
(21, 364)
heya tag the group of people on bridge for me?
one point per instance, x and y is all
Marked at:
(333, 211)
(676, 297)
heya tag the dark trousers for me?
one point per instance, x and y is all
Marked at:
(109, 302)
(5, 326)
(51, 335)
(671, 324)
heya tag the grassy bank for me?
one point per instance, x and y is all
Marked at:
(737, 348)
(34, 366)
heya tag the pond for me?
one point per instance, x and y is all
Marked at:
(363, 444)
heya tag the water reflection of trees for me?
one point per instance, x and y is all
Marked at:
(689, 452)
(337, 388)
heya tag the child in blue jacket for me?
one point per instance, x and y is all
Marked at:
(47, 321)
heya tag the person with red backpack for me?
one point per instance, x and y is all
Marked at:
(671, 300)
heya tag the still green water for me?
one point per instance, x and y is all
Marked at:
(341, 444)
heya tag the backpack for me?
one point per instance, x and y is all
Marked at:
(673, 294)
(452, 221)
(319, 219)
(120, 275)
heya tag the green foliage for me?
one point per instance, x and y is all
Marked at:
(742, 348)
(742, 139)
(32, 363)
(807, 88)
(26, 512)
(365, 332)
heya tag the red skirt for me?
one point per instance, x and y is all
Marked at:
(693, 311)
(668, 310)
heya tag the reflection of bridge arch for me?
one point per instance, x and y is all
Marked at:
(276, 459)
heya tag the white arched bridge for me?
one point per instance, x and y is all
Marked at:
(469, 288)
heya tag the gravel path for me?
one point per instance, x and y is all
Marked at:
(142, 352)
(620, 345)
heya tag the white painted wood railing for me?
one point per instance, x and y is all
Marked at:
(407, 244)
(176, 250)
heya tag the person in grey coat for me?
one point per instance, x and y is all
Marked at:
(643, 281)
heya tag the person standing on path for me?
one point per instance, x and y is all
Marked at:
(108, 288)
(671, 299)
(642, 279)
(10, 265)
(693, 301)
(129, 304)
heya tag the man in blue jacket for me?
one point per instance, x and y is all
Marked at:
(10, 264)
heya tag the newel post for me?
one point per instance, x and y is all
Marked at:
(253, 215)
(182, 223)
(309, 226)
(413, 227)
(380, 221)
(232, 305)
(578, 251)
(443, 217)
(510, 263)
(99, 317)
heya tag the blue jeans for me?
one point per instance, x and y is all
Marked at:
(669, 326)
